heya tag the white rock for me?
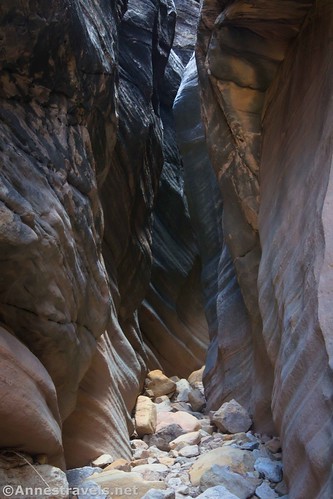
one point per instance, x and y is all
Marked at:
(189, 451)
(159, 494)
(218, 492)
(138, 444)
(240, 485)
(264, 491)
(232, 418)
(272, 470)
(191, 438)
(102, 461)
(157, 467)
(183, 389)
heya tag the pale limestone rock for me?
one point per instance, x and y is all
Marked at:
(102, 461)
(183, 389)
(239, 461)
(145, 416)
(137, 443)
(159, 494)
(159, 384)
(30, 477)
(232, 418)
(264, 491)
(218, 492)
(237, 484)
(192, 438)
(189, 451)
(272, 470)
(186, 421)
(163, 405)
(121, 480)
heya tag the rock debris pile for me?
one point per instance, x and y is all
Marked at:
(180, 451)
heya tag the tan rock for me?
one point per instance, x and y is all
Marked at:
(33, 477)
(191, 438)
(102, 461)
(168, 461)
(119, 464)
(238, 460)
(138, 462)
(159, 384)
(145, 416)
(186, 421)
(122, 484)
(195, 378)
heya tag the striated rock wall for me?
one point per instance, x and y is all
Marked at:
(81, 142)
(295, 275)
(172, 317)
(266, 78)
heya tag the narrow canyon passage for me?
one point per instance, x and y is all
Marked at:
(165, 224)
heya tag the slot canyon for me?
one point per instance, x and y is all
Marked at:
(166, 248)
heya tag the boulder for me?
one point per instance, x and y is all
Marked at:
(145, 416)
(272, 470)
(191, 438)
(239, 461)
(126, 484)
(240, 485)
(159, 384)
(102, 461)
(186, 421)
(36, 477)
(196, 399)
(264, 491)
(218, 492)
(189, 451)
(232, 418)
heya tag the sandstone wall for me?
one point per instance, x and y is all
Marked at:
(266, 78)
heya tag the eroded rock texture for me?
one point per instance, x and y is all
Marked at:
(266, 75)
(80, 131)
(172, 317)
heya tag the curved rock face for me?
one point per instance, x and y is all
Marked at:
(172, 317)
(80, 131)
(266, 111)
(224, 305)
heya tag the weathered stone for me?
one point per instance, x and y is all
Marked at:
(119, 464)
(272, 470)
(187, 422)
(159, 384)
(30, 477)
(240, 485)
(218, 492)
(159, 494)
(196, 399)
(191, 438)
(103, 461)
(183, 389)
(237, 460)
(129, 483)
(189, 451)
(145, 416)
(232, 418)
(264, 491)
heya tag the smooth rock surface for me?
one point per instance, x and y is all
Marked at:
(145, 416)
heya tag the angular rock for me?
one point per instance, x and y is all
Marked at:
(159, 494)
(30, 477)
(164, 436)
(191, 438)
(189, 451)
(130, 483)
(102, 461)
(187, 422)
(239, 461)
(145, 416)
(195, 378)
(119, 464)
(218, 492)
(183, 389)
(272, 470)
(240, 485)
(232, 418)
(159, 384)
(264, 491)
(196, 399)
